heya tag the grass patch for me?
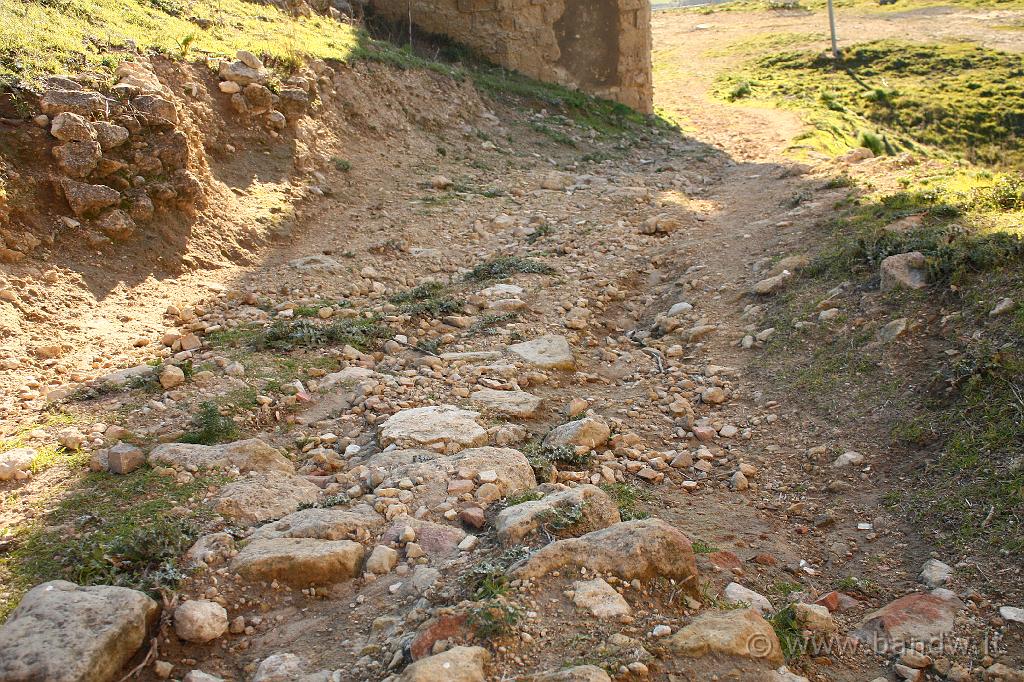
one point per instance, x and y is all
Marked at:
(489, 578)
(106, 530)
(505, 266)
(38, 38)
(890, 96)
(789, 632)
(430, 299)
(210, 427)
(703, 547)
(523, 497)
(627, 498)
(494, 618)
(363, 333)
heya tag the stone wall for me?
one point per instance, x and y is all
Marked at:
(602, 47)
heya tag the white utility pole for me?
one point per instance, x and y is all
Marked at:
(832, 26)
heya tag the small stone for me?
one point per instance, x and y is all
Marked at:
(1004, 306)
(200, 621)
(171, 376)
(473, 517)
(848, 459)
(382, 560)
(124, 458)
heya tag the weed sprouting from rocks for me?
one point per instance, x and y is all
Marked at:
(362, 333)
(626, 498)
(489, 578)
(430, 299)
(506, 266)
(210, 427)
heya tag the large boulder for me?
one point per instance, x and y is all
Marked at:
(574, 511)
(438, 426)
(244, 455)
(299, 562)
(904, 270)
(459, 664)
(741, 633)
(586, 433)
(546, 352)
(62, 632)
(262, 496)
(514, 404)
(643, 550)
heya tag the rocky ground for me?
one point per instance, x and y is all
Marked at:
(490, 413)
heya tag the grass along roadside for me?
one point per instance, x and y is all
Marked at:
(105, 529)
(865, 6)
(948, 395)
(946, 100)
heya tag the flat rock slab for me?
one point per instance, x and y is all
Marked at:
(740, 633)
(244, 455)
(596, 510)
(261, 497)
(444, 426)
(918, 617)
(600, 599)
(581, 673)
(300, 562)
(323, 524)
(515, 404)
(642, 550)
(547, 352)
(436, 539)
(61, 632)
(459, 664)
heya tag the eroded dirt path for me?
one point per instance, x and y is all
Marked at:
(650, 250)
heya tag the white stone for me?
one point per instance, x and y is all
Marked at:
(200, 621)
(600, 599)
(734, 592)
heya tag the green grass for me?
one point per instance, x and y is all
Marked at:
(41, 37)
(789, 632)
(627, 498)
(430, 299)
(210, 427)
(955, 99)
(107, 529)
(506, 266)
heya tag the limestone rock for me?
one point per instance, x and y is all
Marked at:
(814, 617)
(459, 664)
(934, 573)
(16, 463)
(642, 550)
(117, 225)
(555, 181)
(156, 109)
(69, 127)
(438, 425)
(600, 599)
(588, 433)
(317, 263)
(86, 104)
(381, 560)
(239, 72)
(734, 592)
(110, 135)
(78, 159)
(514, 404)
(580, 673)
(904, 270)
(245, 455)
(210, 550)
(915, 617)
(61, 632)
(597, 511)
(87, 200)
(200, 621)
(437, 540)
(323, 524)
(772, 284)
(299, 562)
(546, 352)
(262, 496)
(741, 633)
